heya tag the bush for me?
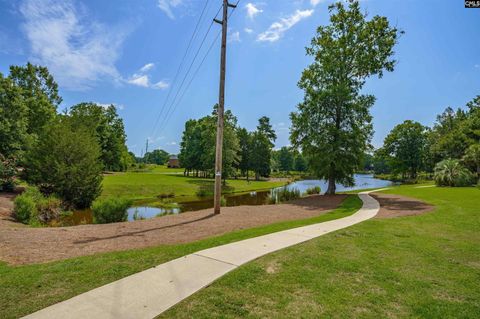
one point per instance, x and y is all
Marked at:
(48, 210)
(25, 205)
(284, 195)
(204, 191)
(451, 173)
(33, 208)
(110, 210)
(65, 161)
(313, 190)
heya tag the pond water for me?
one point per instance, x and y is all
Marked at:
(146, 212)
(362, 181)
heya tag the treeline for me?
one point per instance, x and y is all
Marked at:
(454, 140)
(243, 151)
(288, 159)
(63, 154)
(158, 157)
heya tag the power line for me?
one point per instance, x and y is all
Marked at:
(181, 64)
(187, 73)
(169, 115)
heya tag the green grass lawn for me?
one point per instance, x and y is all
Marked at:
(25, 289)
(160, 180)
(425, 266)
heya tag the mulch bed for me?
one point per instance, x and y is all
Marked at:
(20, 244)
(397, 206)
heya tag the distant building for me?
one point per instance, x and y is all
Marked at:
(173, 162)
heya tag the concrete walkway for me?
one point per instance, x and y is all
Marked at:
(149, 293)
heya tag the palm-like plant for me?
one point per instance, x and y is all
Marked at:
(451, 173)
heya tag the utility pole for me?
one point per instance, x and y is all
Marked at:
(146, 150)
(221, 109)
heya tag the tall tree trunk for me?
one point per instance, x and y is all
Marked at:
(331, 181)
(248, 178)
(331, 186)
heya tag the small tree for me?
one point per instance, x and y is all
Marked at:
(65, 161)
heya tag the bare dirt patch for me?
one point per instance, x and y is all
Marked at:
(24, 245)
(398, 206)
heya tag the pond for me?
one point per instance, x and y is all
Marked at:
(362, 181)
(146, 212)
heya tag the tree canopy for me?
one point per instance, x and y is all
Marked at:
(405, 148)
(107, 127)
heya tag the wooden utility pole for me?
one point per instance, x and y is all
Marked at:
(221, 109)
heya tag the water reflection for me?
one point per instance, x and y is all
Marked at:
(146, 212)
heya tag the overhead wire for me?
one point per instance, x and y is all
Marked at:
(169, 115)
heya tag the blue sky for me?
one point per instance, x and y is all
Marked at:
(128, 52)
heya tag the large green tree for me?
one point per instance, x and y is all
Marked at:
(262, 143)
(455, 131)
(285, 158)
(109, 130)
(332, 125)
(197, 149)
(245, 144)
(40, 94)
(404, 146)
(65, 161)
(13, 119)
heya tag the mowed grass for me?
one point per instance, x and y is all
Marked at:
(25, 289)
(425, 266)
(160, 180)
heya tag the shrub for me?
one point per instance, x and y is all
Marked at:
(65, 160)
(110, 210)
(48, 209)
(284, 195)
(204, 192)
(33, 208)
(451, 173)
(313, 190)
(25, 205)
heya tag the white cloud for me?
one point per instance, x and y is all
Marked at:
(162, 85)
(147, 67)
(315, 2)
(167, 6)
(77, 50)
(234, 37)
(139, 80)
(248, 30)
(252, 10)
(142, 79)
(171, 143)
(277, 29)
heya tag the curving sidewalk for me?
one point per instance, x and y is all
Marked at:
(149, 293)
